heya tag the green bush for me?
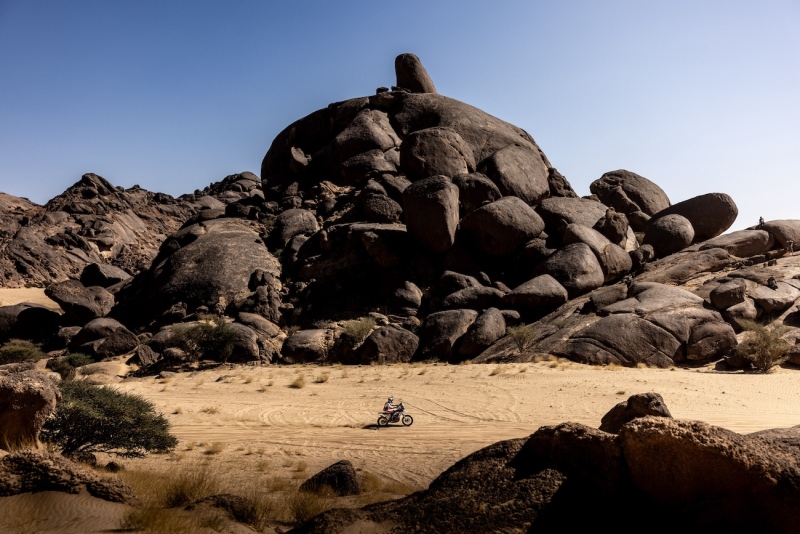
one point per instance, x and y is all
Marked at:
(763, 347)
(20, 351)
(358, 329)
(523, 336)
(66, 365)
(100, 419)
(205, 341)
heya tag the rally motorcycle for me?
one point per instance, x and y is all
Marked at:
(398, 416)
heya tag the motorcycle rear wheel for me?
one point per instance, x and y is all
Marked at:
(383, 421)
(407, 420)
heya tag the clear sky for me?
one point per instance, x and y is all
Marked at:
(699, 96)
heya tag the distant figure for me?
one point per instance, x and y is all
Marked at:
(790, 246)
(771, 283)
(760, 223)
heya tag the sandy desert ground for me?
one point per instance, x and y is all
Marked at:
(273, 423)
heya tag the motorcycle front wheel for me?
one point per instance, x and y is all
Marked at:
(407, 420)
(383, 421)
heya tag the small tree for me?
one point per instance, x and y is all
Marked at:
(100, 419)
(763, 347)
(523, 336)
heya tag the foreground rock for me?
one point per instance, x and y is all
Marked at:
(27, 399)
(34, 471)
(340, 477)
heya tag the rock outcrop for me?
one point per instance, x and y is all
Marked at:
(27, 399)
(688, 474)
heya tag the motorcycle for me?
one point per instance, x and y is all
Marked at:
(397, 416)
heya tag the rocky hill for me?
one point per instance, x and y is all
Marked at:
(397, 226)
(95, 222)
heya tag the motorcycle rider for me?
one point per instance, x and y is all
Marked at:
(390, 407)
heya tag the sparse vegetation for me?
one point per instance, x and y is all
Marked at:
(523, 336)
(763, 346)
(358, 329)
(207, 341)
(101, 419)
(298, 383)
(322, 378)
(20, 351)
(496, 371)
(66, 365)
(210, 410)
(214, 448)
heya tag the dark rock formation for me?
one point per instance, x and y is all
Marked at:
(412, 75)
(628, 192)
(500, 227)
(639, 405)
(669, 234)
(709, 214)
(80, 304)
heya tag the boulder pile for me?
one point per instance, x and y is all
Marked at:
(429, 223)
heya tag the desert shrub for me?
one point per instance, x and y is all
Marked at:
(305, 505)
(763, 347)
(358, 329)
(20, 351)
(523, 336)
(207, 341)
(66, 365)
(100, 419)
(298, 383)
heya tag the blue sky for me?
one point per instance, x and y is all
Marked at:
(698, 96)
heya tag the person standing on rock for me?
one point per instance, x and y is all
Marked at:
(760, 223)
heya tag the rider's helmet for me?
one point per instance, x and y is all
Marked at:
(390, 400)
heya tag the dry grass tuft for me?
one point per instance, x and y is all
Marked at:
(496, 371)
(321, 379)
(210, 409)
(298, 383)
(214, 448)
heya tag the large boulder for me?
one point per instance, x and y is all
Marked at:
(27, 399)
(728, 294)
(742, 244)
(434, 152)
(475, 190)
(541, 292)
(487, 328)
(293, 222)
(614, 261)
(784, 231)
(669, 234)
(213, 264)
(627, 192)
(441, 331)
(559, 212)
(476, 298)
(388, 344)
(709, 214)
(778, 299)
(518, 170)
(412, 75)
(103, 275)
(306, 346)
(621, 339)
(104, 337)
(431, 212)
(28, 321)
(81, 304)
(639, 405)
(575, 267)
(502, 226)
